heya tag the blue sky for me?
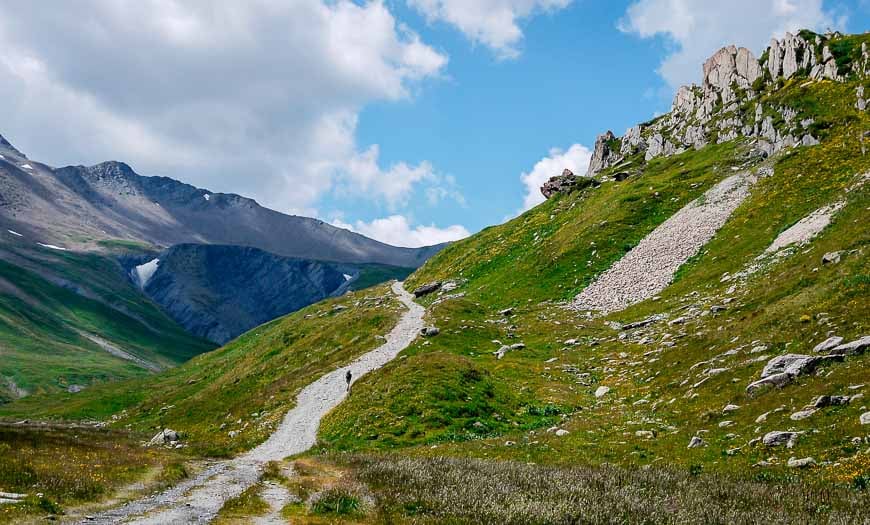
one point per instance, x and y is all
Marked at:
(412, 121)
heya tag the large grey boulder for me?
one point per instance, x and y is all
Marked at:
(856, 347)
(793, 364)
(164, 437)
(779, 437)
(426, 289)
(828, 344)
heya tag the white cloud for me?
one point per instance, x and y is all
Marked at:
(397, 230)
(700, 27)
(260, 98)
(493, 23)
(576, 159)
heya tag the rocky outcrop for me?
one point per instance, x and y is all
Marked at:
(605, 154)
(714, 111)
(566, 183)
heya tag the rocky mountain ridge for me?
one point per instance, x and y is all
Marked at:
(729, 103)
(78, 207)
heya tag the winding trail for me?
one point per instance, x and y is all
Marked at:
(198, 500)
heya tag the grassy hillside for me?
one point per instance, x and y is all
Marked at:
(452, 392)
(56, 310)
(245, 387)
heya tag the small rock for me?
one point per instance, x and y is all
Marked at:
(865, 418)
(802, 414)
(730, 408)
(233, 433)
(509, 443)
(165, 436)
(429, 331)
(602, 391)
(507, 311)
(831, 257)
(696, 442)
(725, 424)
(562, 432)
(801, 463)
(645, 434)
(717, 308)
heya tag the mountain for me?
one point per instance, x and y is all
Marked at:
(695, 311)
(70, 320)
(76, 207)
(219, 292)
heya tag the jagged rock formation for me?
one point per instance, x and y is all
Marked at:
(566, 183)
(723, 107)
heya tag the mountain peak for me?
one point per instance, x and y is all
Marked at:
(6, 145)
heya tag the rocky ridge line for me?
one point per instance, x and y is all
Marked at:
(710, 113)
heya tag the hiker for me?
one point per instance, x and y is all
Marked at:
(348, 377)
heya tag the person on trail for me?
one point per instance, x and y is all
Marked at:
(348, 377)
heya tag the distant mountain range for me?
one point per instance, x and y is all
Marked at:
(127, 246)
(75, 207)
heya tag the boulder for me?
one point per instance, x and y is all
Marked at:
(856, 347)
(429, 331)
(426, 289)
(802, 414)
(696, 442)
(827, 401)
(777, 438)
(832, 257)
(164, 437)
(828, 344)
(566, 183)
(801, 463)
(793, 364)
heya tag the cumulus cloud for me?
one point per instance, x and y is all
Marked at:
(493, 23)
(699, 27)
(260, 98)
(398, 231)
(576, 158)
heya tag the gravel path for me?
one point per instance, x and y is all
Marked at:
(199, 500)
(649, 268)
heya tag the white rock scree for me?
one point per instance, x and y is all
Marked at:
(198, 500)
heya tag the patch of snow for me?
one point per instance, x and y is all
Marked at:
(144, 272)
(2, 157)
(15, 233)
(347, 277)
(52, 247)
(206, 196)
(26, 166)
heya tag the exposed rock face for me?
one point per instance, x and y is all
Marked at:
(712, 111)
(566, 183)
(219, 292)
(603, 155)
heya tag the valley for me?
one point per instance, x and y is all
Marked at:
(680, 335)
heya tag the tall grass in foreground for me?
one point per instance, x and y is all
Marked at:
(473, 491)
